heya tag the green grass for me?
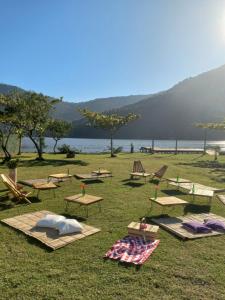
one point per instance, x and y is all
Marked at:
(176, 270)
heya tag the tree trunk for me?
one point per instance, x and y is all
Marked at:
(8, 156)
(56, 141)
(216, 155)
(13, 174)
(20, 144)
(111, 146)
(38, 148)
(4, 144)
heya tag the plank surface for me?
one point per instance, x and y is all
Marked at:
(84, 200)
(221, 198)
(48, 236)
(174, 225)
(169, 201)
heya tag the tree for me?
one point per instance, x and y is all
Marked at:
(58, 129)
(7, 125)
(34, 113)
(14, 100)
(109, 122)
(25, 113)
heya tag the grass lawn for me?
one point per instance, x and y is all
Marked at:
(176, 270)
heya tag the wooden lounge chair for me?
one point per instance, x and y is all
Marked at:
(14, 190)
(138, 171)
(160, 173)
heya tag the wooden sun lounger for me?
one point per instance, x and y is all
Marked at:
(13, 189)
(139, 171)
(160, 173)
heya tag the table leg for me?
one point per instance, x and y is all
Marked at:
(150, 208)
(99, 206)
(86, 207)
(210, 200)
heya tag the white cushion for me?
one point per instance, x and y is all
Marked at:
(68, 226)
(50, 221)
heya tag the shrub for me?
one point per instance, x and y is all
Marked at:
(13, 163)
(64, 149)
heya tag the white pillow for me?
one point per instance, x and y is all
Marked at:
(50, 221)
(68, 226)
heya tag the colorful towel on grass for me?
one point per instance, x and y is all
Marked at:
(132, 249)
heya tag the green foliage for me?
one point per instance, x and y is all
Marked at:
(58, 129)
(116, 150)
(64, 149)
(13, 163)
(218, 126)
(26, 113)
(108, 122)
(8, 123)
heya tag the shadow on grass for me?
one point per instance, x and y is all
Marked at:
(196, 209)
(123, 264)
(7, 203)
(49, 162)
(154, 181)
(134, 184)
(173, 192)
(34, 199)
(148, 219)
(74, 216)
(91, 181)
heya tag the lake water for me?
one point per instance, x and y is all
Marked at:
(101, 145)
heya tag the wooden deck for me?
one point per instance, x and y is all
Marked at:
(171, 150)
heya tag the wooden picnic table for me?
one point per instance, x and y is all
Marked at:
(44, 187)
(85, 200)
(169, 201)
(61, 176)
(101, 172)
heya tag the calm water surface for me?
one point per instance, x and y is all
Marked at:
(101, 145)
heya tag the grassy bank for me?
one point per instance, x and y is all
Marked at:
(176, 270)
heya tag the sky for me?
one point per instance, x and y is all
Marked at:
(86, 49)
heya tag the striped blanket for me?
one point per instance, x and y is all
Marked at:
(132, 249)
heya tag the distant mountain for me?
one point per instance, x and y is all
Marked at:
(167, 115)
(6, 88)
(171, 114)
(69, 111)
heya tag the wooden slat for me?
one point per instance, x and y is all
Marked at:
(221, 198)
(48, 236)
(174, 225)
